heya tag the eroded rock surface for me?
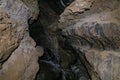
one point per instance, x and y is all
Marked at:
(83, 45)
(86, 39)
(7, 38)
(93, 33)
(18, 54)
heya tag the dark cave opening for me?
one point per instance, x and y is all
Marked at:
(56, 63)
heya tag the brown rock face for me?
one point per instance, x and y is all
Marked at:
(91, 28)
(100, 45)
(7, 38)
(106, 63)
(18, 55)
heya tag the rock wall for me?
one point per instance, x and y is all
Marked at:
(18, 54)
(86, 39)
(83, 45)
(91, 29)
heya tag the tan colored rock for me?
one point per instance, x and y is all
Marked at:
(22, 64)
(101, 46)
(94, 33)
(106, 63)
(18, 54)
(8, 41)
(78, 6)
(80, 9)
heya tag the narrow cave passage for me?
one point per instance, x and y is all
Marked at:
(56, 63)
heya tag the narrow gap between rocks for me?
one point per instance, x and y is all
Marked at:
(56, 63)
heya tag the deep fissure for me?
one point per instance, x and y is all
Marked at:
(57, 63)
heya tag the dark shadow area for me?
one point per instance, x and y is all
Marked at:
(54, 64)
(57, 5)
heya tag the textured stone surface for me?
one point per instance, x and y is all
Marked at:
(87, 37)
(78, 6)
(92, 31)
(18, 54)
(88, 33)
(106, 63)
(100, 45)
(8, 42)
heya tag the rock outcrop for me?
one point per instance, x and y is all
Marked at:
(91, 28)
(18, 54)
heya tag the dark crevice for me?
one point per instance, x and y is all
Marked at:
(59, 62)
